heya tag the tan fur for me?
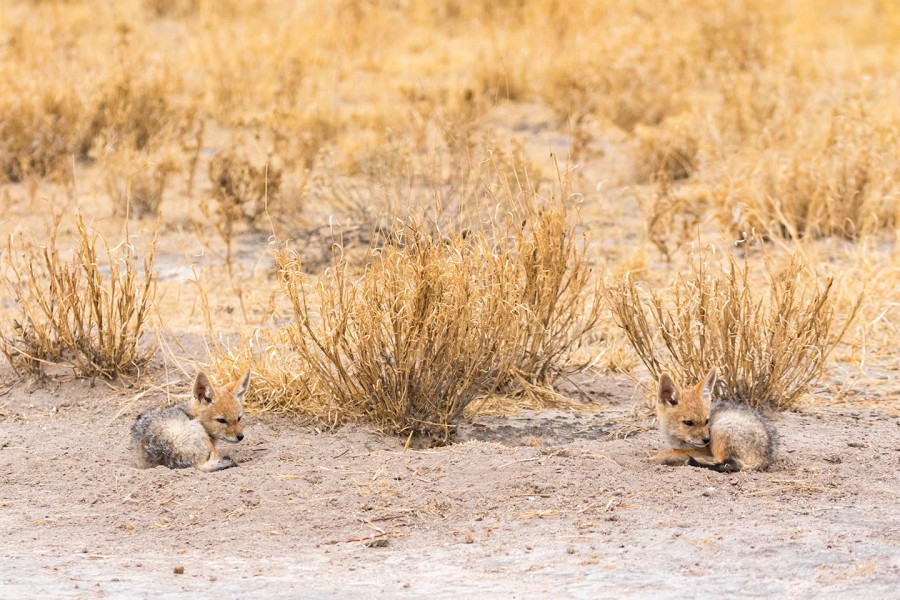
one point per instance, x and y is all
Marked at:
(186, 435)
(683, 417)
(722, 436)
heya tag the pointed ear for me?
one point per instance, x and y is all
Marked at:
(203, 391)
(240, 388)
(667, 393)
(709, 384)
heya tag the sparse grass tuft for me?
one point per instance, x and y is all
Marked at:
(82, 313)
(137, 184)
(241, 193)
(769, 347)
(558, 290)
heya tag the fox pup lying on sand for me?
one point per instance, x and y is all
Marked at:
(185, 435)
(720, 435)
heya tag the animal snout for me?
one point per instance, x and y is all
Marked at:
(240, 436)
(705, 440)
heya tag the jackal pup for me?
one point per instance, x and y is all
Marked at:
(721, 435)
(185, 435)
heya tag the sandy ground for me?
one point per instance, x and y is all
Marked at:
(545, 504)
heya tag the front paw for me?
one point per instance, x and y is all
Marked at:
(668, 459)
(226, 462)
(657, 459)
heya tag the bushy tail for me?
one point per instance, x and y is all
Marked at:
(729, 466)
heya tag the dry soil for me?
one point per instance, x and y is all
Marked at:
(547, 504)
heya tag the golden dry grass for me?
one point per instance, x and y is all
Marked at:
(82, 313)
(769, 346)
(430, 325)
(675, 123)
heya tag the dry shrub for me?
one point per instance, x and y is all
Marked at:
(425, 332)
(38, 137)
(558, 291)
(241, 193)
(454, 189)
(673, 216)
(835, 171)
(136, 108)
(137, 182)
(769, 347)
(79, 312)
(670, 150)
(626, 61)
(241, 188)
(281, 380)
(432, 324)
(172, 8)
(298, 138)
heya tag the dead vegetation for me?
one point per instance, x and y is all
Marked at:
(425, 332)
(833, 172)
(405, 148)
(88, 312)
(769, 347)
(559, 291)
(431, 325)
(136, 182)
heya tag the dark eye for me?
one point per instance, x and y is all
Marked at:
(221, 420)
(707, 422)
(688, 422)
(240, 417)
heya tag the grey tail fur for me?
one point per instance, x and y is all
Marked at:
(724, 467)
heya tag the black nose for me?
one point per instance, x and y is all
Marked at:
(240, 436)
(705, 440)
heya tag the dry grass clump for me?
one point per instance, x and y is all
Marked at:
(559, 293)
(281, 380)
(628, 63)
(450, 189)
(298, 138)
(241, 192)
(138, 107)
(171, 8)
(834, 171)
(670, 150)
(137, 182)
(769, 347)
(63, 106)
(79, 312)
(426, 331)
(433, 323)
(672, 216)
(241, 188)
(37, 137)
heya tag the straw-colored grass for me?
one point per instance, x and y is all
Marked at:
(431, 325)
(330, 122)
(559, 291)
(769, 346)
(88, 312)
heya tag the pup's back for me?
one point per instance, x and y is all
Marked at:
(169, 437)
(741, 438)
